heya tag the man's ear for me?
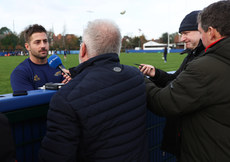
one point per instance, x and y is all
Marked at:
(83, 50)
(83, 53)
(27, 46)
(213, 34)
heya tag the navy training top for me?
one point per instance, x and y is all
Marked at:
(29, 76)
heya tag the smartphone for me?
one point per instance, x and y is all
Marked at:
(138, 65)
(19, 93)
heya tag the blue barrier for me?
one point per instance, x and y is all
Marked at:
(3, 53)
(8, 102)
(176, 50)
(27, 115)
(69, 52)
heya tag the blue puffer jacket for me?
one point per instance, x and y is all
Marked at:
(99, 116)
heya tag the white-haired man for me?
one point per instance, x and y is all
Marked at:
(100, 115)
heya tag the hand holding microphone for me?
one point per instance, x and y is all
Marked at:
(55, 62)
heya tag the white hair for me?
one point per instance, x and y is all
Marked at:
(101, 37)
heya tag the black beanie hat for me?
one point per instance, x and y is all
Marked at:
(189, 23)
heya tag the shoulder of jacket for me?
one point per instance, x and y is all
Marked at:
(203, 64)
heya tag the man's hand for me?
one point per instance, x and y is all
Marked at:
(67, 77)
(147, 70)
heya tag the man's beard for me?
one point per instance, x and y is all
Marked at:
(40, 56)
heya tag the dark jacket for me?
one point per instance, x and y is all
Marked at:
(99, 116)
(200, 95)
(172, 131)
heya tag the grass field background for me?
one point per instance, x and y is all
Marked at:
(7, 64)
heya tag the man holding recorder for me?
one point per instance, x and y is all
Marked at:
(200, 94)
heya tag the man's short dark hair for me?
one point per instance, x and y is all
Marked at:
(33, 29)
(216, 15)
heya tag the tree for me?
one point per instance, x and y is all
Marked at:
(131, 43)
(164, 37)
(72, 42)
(125, 43)
(50, 36)
(174, 37)
(142, 40)
(63, 36)
(136, 42)
(5, 31)
(21, 40)
(9, 42)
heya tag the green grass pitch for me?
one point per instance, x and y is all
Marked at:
(7, 64)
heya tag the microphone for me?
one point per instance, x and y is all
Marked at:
(55, 62)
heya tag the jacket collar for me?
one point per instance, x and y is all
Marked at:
(212, 44)
(197, 51)
(220, 49)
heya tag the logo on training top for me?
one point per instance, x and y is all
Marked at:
(58, 73)
(36, 78)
